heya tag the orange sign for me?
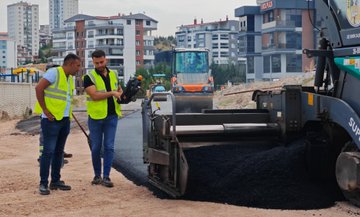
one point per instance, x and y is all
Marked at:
(266, 5)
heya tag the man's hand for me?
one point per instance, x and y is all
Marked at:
(116, 94)
(49, 115)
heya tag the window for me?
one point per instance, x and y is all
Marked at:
(137, 53)
(90, 34)
(224, 45)
(293, 63)
(266, 64)
(250, 65)
(137, 42)
(137, 32)
(138, 22)
(148, 22)
(116, 51)
(224, 37)
(128, 22)
(276, 63)
(224, 54)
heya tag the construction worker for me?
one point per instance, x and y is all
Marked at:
(54, 94)
(41, 137)
(103, 90)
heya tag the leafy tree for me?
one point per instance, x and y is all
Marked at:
(229, 72)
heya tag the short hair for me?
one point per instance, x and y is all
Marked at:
(71, 57)
(98, 54)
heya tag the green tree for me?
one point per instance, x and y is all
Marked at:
(229, 72)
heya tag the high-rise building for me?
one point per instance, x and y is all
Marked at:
(126, 39)
(23, 27)
(61, 10)
(273, 35)
(219, 37)
(8, 53)
(45, 35)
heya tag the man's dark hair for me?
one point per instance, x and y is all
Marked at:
(71, 57)
(98, 54)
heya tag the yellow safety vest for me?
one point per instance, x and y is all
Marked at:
(98, 109)
(56, 95)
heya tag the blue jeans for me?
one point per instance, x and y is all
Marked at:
(102, 132)
(55, 134)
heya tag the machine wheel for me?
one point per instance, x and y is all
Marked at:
(349, 158)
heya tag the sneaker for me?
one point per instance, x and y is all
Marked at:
(44, 190)
(107, 182)
(59, 185)
(67, 155)
(97, 180)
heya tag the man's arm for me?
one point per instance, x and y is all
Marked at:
(39, 89)
(95, 95)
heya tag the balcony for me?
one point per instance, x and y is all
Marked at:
(98, 25)
(110, 34)
(109, 45)
(59, 37)
(281, 47)
(59, 48)
(69, 28)
(279, 24)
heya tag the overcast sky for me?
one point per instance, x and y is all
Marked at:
(169, 13)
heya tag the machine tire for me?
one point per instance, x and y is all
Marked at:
(353, 197)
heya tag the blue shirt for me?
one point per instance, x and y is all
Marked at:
(50, 76)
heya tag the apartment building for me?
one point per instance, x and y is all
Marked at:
(8, 53)
(219, 37)
(273, 35)
(44, 35)
(126, 39)
(61, 10)
(23, 27)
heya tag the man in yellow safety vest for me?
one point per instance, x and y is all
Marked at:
(54, 93)
(103, 90)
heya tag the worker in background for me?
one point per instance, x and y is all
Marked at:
(41, 137)
(54, 94)
(103, 90)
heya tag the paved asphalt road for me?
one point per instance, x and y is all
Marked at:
(128, 149)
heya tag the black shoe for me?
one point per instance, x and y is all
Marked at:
(97, 180)
(107, 182)
(59, 185)
(67, 155)
(66, 161)
(44, 190)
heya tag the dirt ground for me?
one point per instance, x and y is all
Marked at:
(19, 195)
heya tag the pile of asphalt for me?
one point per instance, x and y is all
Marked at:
(30, 125)
(274, 178)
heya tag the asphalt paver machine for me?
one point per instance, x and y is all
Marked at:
(325, 116)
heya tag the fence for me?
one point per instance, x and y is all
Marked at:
(20, 78)
(16, 98)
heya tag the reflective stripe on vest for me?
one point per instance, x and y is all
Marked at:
(98, 109)
(56, 95)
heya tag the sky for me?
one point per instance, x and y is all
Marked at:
(169, 13)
